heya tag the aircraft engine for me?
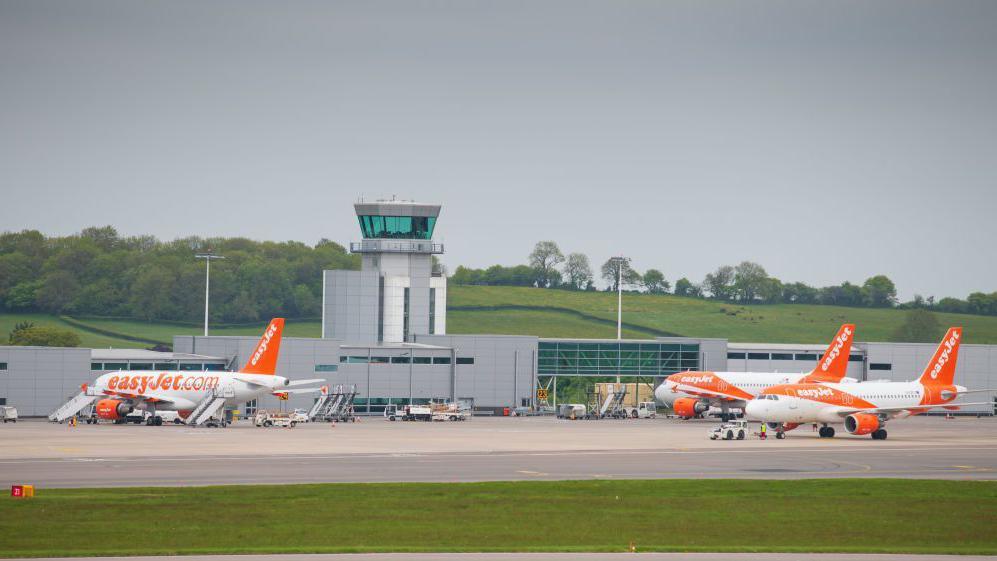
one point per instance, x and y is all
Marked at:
(113, 409)
(687, 407)
(861, 423)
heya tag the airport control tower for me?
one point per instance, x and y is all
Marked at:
(396, 294)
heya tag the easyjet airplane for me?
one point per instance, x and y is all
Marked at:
(865, 407)
(692, 393)
(119, 393)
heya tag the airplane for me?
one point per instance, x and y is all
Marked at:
(693, 393)
(195, 395)
(864, 407)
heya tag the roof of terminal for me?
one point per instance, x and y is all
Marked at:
(142, 354)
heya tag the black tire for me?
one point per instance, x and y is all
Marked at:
(740, 435)
(729, 435)
(830, 432)
(294, 424)
(268, 423)
(780, 435)
(633, 414)
(391, 418)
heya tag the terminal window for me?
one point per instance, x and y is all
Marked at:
(326, 367)
(465, 360)
(3, 366)
(400, 360)
(422, 360)
(880, 366)
(854, 358)
(782, 356)
(609, 359)
(166, 366)
(758, 356)
(736, 356)
(441, 360)
(96, 366)
(379, 360)
(806, 357)
(140, 366)
(115, 366)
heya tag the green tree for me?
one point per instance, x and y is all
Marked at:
(544, 259)
(654, 282)
(749, 278)
(720, 283)
(879, 292)
(919, 326)
(683, 287)
(44, 337)
(57, 291)
(578, 271)
(611, 273)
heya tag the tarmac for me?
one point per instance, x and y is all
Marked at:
(483, 449)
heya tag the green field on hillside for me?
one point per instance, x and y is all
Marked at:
(560, 313)
(778, 323)
(854, 515)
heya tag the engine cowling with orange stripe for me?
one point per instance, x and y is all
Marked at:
(113, 409)
(687, 407)
(861, 423)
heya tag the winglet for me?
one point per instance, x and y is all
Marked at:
(264, 358)
(834, 362)
(941, 369)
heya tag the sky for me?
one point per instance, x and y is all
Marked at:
(826, 140)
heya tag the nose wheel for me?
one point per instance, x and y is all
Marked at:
(826, 432)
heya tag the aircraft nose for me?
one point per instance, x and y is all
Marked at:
(754, 411)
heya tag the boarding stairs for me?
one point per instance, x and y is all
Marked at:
(76, 404)
(209, 406)
(336, 405)
(613, 406)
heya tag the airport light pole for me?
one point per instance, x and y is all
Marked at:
(620, 262)
(207, 282)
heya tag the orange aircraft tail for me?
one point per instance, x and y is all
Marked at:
(941, 370)
(264, 358)
(833, 363)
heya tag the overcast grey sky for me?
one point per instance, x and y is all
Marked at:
(828, 141)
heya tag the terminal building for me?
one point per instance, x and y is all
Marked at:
(384, 331)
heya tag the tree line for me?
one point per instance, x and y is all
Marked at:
(98, 272)
(745, 283)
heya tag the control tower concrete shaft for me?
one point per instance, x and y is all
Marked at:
(396, 293)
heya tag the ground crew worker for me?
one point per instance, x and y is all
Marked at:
(762, 434)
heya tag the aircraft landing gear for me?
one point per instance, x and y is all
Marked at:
(826, 432)
(879, 434)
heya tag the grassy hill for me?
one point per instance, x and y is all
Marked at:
(559, 313)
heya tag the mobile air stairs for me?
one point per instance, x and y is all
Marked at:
(209, 406)
(608, 405)
(335, 405)
(76, 404)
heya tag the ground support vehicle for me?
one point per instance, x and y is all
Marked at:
(394, 412)
(273, 419)
(643, 410)
(299, 416)
(8, 413)
(730, 430)
(571, 411)
(450, 412)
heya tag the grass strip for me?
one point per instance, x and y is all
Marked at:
(834, 515)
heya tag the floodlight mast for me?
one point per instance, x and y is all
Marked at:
(207, 282)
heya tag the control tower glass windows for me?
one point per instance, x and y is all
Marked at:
(397, 227)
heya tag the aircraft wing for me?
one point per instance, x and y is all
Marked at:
(844, 412)
(708, 394)
(303, 382)
(136, 396)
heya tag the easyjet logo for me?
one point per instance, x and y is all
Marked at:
(814, 392)
(839, 342)
(164, 382)
(696, 379)
(948, 347)
(263, 344)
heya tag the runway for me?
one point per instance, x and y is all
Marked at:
(482, 450)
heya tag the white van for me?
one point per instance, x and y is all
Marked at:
(8, 413)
